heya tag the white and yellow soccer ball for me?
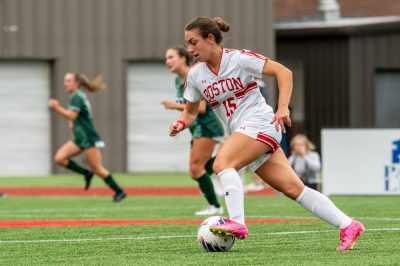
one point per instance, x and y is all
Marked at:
(211, 242)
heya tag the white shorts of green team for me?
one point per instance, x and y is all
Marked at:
(265, 133)
(100, 144)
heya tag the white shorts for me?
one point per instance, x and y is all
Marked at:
(264, 133)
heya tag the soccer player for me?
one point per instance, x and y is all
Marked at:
(86, 139)
(206, 130)
(225, 78)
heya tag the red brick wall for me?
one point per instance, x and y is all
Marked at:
(302, 9)
(292, 9)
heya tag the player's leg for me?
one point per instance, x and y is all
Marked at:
(237, 151)
(209, 165)
(94, 159)
(279, 174)
(200, 153)
(63, 155)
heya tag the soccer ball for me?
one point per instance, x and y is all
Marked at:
(211, 242)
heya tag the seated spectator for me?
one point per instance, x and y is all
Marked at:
(304, 161)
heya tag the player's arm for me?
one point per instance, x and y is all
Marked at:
(173, 105)
(68, 114)
(187, 118)
(285, 84)
(180, 106)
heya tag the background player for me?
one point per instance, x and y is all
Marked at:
(86, 138)
(225, 77)
(206, 130)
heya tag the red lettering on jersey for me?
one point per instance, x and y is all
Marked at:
(215, 88)
(229, 84)
(221, 83)
(237, 83)
(207, 92)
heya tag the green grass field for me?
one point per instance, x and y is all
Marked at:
(311, 243)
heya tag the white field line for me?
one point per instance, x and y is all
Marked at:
(27, 212)
(138, 238)
(314, 217)
(113, 209)
(65, 216)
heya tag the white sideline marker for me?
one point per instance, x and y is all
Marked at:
(172, 237)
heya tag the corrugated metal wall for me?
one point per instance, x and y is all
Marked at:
(101, 36)
(369, 54)
(340, 72)
(325, 62)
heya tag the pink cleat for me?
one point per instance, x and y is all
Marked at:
(230, 228)
(349, 235)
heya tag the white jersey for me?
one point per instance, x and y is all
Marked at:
(235, 97)
(232, 92)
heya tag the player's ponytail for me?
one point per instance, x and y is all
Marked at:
(207, 26)
(97, 84)
(222, 24)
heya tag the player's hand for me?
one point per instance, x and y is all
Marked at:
(168, 104)
(282, 117)
(175, 128)
(53, 103)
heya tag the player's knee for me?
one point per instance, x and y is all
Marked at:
(60, 160)
(196, 169)
(219, 166)
(292, 191)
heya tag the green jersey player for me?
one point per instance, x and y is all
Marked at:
(206, 131)
(86, 138)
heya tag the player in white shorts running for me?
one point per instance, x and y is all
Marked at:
(225, 78)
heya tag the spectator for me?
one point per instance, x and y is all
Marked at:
(305, 161)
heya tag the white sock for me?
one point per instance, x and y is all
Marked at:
(321, 206)
(233, 189)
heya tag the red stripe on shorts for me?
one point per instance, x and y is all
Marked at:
(268, 140)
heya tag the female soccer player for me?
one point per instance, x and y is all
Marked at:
(206, 130)
(225, 78)
(86, 139)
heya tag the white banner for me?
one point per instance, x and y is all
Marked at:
(361, 161)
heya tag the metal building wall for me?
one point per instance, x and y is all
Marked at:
(325, 62)
(369, 53)
(101, 36)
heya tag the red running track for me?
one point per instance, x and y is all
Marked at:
(104, 191)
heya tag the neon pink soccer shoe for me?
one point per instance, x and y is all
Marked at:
(349, 235)
(230, 228)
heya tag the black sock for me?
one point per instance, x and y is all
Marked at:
(109, 180)
(73, 166)
(207, 188)
(209, 166)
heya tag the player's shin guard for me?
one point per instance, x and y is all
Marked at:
(73, 166)
(109, 180)
(321, 206)
(209, 166)
(233, 188)
(207, 187)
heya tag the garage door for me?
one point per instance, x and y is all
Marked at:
(24, 119)
(150, 148)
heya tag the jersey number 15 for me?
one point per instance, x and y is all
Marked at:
(230, 106)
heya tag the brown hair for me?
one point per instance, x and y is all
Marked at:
(183, 52)
(97, 84)
(209, 26)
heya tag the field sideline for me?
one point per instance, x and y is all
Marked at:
(161, 230)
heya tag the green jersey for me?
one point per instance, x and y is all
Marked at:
(85, 134)
(207, 124)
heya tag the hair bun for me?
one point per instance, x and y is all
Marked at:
(222, 24)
